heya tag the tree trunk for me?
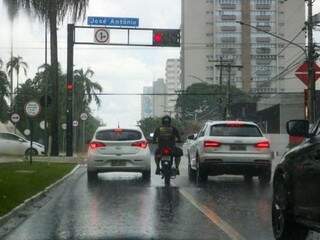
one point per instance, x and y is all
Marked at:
(54, 78)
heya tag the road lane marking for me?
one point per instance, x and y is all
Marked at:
(218, 221)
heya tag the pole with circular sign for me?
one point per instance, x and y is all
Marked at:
(32, 110)
(84, 118)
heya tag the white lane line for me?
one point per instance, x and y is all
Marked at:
(214, 217)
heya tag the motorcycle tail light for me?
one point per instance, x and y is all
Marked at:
(166, 151)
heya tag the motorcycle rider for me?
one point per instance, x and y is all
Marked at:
(166, 136)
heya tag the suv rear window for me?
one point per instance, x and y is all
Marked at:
(118, 135)
(235, 130)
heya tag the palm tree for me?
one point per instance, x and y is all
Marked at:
(12, 7)
(55, 11)
(85, 89)
(15, 64)
(4, 93)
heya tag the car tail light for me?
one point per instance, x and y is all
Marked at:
(211, 144)
(95, 145)
(166, 151)
(263, 145)
(140, 144)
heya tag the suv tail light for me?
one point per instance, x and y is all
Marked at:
(95, 145)
(166, 151)
(263, 145)
(140, 144)
(211, 144)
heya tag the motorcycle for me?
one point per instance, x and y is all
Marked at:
(166, 161)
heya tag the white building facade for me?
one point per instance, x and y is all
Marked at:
(147, 103)
(159, 98)
(211, 33)
(173, 84)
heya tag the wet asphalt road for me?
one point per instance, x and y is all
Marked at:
(123, 206)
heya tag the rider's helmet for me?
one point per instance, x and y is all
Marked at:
(166, 121)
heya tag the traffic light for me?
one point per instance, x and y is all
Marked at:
(166, 38)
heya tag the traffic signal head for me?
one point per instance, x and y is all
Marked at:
(166, 38)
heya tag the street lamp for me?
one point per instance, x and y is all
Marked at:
(309, 58)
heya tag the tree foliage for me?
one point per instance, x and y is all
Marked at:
(203, 101)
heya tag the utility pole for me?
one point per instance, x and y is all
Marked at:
(229, 66)
(70, 86)
(311, 75)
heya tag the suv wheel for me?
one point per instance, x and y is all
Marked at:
(283, 224)
(201, 174)
(265, 177)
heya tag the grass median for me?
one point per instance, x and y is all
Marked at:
(20, 181)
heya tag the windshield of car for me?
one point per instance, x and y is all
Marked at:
(118, 135)
(235, 130)
(87, 82)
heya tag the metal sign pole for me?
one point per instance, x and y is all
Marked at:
(31, 140)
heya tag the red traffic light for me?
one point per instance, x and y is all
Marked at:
(70, 86)
(158, 37)
(166, 37)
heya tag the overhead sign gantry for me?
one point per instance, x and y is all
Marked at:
(108, 36)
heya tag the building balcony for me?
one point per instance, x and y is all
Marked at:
(228, 28)
(228, 6)
(263, 50)
(228, 17)
(263, 39)
(264, 28)
(228, 39)
(225, 51)
(263, 6)
(263, 17)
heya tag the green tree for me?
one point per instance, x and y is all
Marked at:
(203, 101)
(55, 11)
(16, 64)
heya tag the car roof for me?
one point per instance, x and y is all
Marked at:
(231, 122)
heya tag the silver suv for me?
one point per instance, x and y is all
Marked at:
(230, 147)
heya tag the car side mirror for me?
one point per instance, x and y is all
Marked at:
(298, 128)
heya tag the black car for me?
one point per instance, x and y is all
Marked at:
(296, 186)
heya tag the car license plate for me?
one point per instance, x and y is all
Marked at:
(117, 163)
(238, 147)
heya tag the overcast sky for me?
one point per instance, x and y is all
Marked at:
(117, 69)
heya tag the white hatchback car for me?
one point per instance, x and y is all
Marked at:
(230, 147)
(118, 150)
(12, 144)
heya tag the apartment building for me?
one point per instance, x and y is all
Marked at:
(173, 84)
(212, 35)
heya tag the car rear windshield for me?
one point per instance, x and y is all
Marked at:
(118, 135)
(235, 130)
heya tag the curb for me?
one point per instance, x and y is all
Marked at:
(15, 212)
